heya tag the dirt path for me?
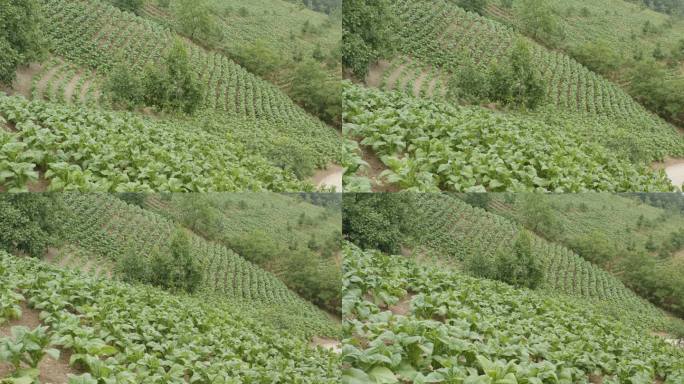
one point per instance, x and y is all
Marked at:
(71, 87)
(418, 84)
(376, 72)
(674, 168)
(42, 84)
(330, 177)
(24, 80)
(395, 76)
(330, 344)
(375, 168)
(51, 371)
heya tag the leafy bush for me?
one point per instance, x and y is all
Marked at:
(174, 268)
(27, 222)
(376, 221)
(124, 88)
(473, 5)
(21, 36)
(520, 267)
(128, 5)
(365, 33)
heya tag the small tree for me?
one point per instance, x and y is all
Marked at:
(469, 84)
(529, 88)
(520, 267)
(195, 20)
(21, 36)
(124, 87)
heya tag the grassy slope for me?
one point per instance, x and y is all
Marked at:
(275, 23)
(613, 216)
(273, 214)
(89, 37)
(101, 228)
(612, 21)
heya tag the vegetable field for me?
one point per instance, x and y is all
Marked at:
(120, 333)
(455, 231)
(91, 150)
(406, 322)
(110, 229)
(429, 146)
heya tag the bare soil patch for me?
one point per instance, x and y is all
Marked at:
(40, 185)
(22, 83)
(42, 84)
(51, 371)
(403, 307)
(395, 76)
(329, 177)
(330, 344)
(674, 167)
(376, 72)
(375, 168)
(71, 86)
(30, 318)
(418, 84)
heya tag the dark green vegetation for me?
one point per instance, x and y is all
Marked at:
(21, 40)
(366, 36)
(171, 86)
(296, 241)
(131, 296)
(637, 47)
(106, 236)
(407, 321)
(27, 222)
(431, 146)
(641, 244)
(132, 334)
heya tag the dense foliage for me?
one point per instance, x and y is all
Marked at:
(366, 33)
(294, 240)
(429, 146)
(103, 151)
(406, 322)
(272, 39)
(440, 37)
(135, 334)
(378, 220)
(21, 36)
(95, 35)
(27, 222)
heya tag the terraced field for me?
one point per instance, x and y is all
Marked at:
(442, 326)
(448, 227)
(110, 331)
(101, 229)
(436, 37)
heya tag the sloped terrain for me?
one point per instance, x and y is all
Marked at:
(461, 329)
(134, 334)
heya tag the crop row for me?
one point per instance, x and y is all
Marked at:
(460, 329)
(427, 146)
(132, 334)
(91, 150)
